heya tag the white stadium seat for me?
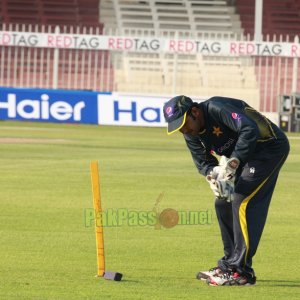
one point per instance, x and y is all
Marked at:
(190, 74)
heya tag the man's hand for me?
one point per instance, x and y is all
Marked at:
(230, 166)
(222, 189)
(225, 189)
(226, 169)
(221, 178)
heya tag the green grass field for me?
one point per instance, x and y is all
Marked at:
(48, 246)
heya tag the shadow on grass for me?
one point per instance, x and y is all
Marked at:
(283, 283)
(129, 281)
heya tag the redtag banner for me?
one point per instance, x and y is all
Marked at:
(148, 44)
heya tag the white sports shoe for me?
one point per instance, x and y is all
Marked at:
(203, 275)
(230, 278)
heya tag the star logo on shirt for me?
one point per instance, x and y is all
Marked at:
(217, 131)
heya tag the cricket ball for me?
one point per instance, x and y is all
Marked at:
(169, 218)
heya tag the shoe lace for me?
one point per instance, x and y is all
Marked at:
(227, 275)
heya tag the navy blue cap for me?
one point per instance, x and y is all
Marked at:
(175, 111)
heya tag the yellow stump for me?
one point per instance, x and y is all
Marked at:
(98, 219)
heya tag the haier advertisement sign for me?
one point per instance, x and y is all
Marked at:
(61, 106)
(117, 109)
(48, 105)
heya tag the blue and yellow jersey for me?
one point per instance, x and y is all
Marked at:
(233, 129)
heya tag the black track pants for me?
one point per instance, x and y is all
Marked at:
(242, 221)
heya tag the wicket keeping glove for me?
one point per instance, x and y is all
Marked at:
(219, 172)
(221, 178)
(229, 167)
(222, 189)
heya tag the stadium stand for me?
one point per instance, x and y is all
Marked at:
(56, 12)
(246, 10)
(191, 15)
(77, 69)
(283, 17)
(280, 17)
(150, 73)
(18, 11)
(171, 73)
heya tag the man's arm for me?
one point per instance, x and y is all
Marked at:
(202, 158)
(238, 121)
(207, 164)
